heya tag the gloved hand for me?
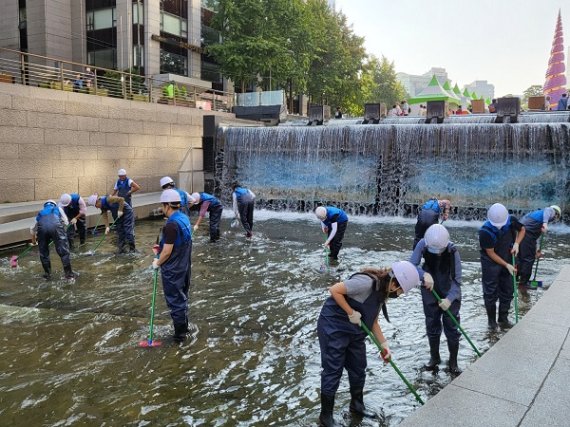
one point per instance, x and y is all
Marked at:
(515, 249)
(107, 230)
(428, 281)
(327, 244)
(511, 269)
(155, 265)
(119, 214)
(73, 221)
(444, 304)
(544, 227)
(355, 317)
(195, 227)
(385, 354)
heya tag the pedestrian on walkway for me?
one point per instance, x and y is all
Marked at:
(174, 261)
(535, 225)
(341, 338)
(429, 215)
(243, 201)
(211, 204)
(124, 219)
(333, 223)
(168, 183)
(49, 226)
(441, 272)
(125, 186)
(499, 238)
(75, 209)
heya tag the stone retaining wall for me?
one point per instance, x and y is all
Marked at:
(53, 142)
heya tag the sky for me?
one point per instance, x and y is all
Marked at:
(506, 42)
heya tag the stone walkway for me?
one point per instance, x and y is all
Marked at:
(523, 380)
(16, 218)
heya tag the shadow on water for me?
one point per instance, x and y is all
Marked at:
(69, 352)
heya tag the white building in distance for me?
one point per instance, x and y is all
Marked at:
(414, 84)
(481, 88)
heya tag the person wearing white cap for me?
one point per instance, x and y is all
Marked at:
(211, 204)
(75, 208)
(341, 338)
(441, 271)
(535, 225)
(499, 238)
(333, 222)
(168, 183)
(49, 226)
(125, 186)
(174, 261)
(123, 216)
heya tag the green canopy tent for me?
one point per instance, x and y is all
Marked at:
(488, 101)
(466, 94)
(474, 96)
(433, 92)
(448, 89)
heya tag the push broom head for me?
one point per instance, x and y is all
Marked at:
(149, 343)
(14, 261)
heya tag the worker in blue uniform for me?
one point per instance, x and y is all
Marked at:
(341, 339)
(333, 223)
(125, 186)
(440, 271)
(174, 261)
(75, 209)
(211, 204)
(168, 183)
(535, 224)
(123, 216)
(499, 238)
(243, 202)
(50, 225)
(429, 215)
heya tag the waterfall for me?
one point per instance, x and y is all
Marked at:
(391, 168)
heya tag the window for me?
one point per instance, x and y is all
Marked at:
(101, 19)
(138, 56)
(173, 63)
(138, 13)
(102, 58)
(173, 25)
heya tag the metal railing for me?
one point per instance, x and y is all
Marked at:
(51, 73)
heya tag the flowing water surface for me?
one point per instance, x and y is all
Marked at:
(70, 355)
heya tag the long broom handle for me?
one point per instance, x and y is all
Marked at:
(104, 235)
(452, 317)
(375, 341)
(29, 248)
(515, 292)
(154, 285)
(96, 225)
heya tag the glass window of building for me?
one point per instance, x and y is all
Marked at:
(173, 25)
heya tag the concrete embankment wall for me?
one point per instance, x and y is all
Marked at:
(54, 141)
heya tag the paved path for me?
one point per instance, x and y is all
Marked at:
(16, 218)
(523, 380)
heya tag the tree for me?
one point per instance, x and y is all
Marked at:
(534, 90)
(386, 87)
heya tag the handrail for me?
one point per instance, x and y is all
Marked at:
(64, 75)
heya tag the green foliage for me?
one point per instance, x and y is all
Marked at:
(385, 87)
(534, 90)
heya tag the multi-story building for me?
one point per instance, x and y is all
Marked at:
(155, 37)
(481, 88)
(414, 84)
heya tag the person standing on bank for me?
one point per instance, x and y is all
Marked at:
(499, 238)
(75, 209)
(174, 261)
(333, 222)
(342, 340)
(441, 271)
(123, 216)
(429, 215)
(535, 224)
(243, 201)
(168, 183)
(50, 225)
(211, 204)
(125, 186)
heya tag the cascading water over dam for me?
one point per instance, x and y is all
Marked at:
(390, 168)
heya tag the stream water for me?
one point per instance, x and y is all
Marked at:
(70, 355)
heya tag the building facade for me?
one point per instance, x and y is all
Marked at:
(481, 88)
(152, 37)
(414, 83)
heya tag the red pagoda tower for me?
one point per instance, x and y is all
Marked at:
(555, 83)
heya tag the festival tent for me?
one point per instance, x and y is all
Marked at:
(448, 89)
(488, 101)
(474, 95)
(433, 92)
(466, 94)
